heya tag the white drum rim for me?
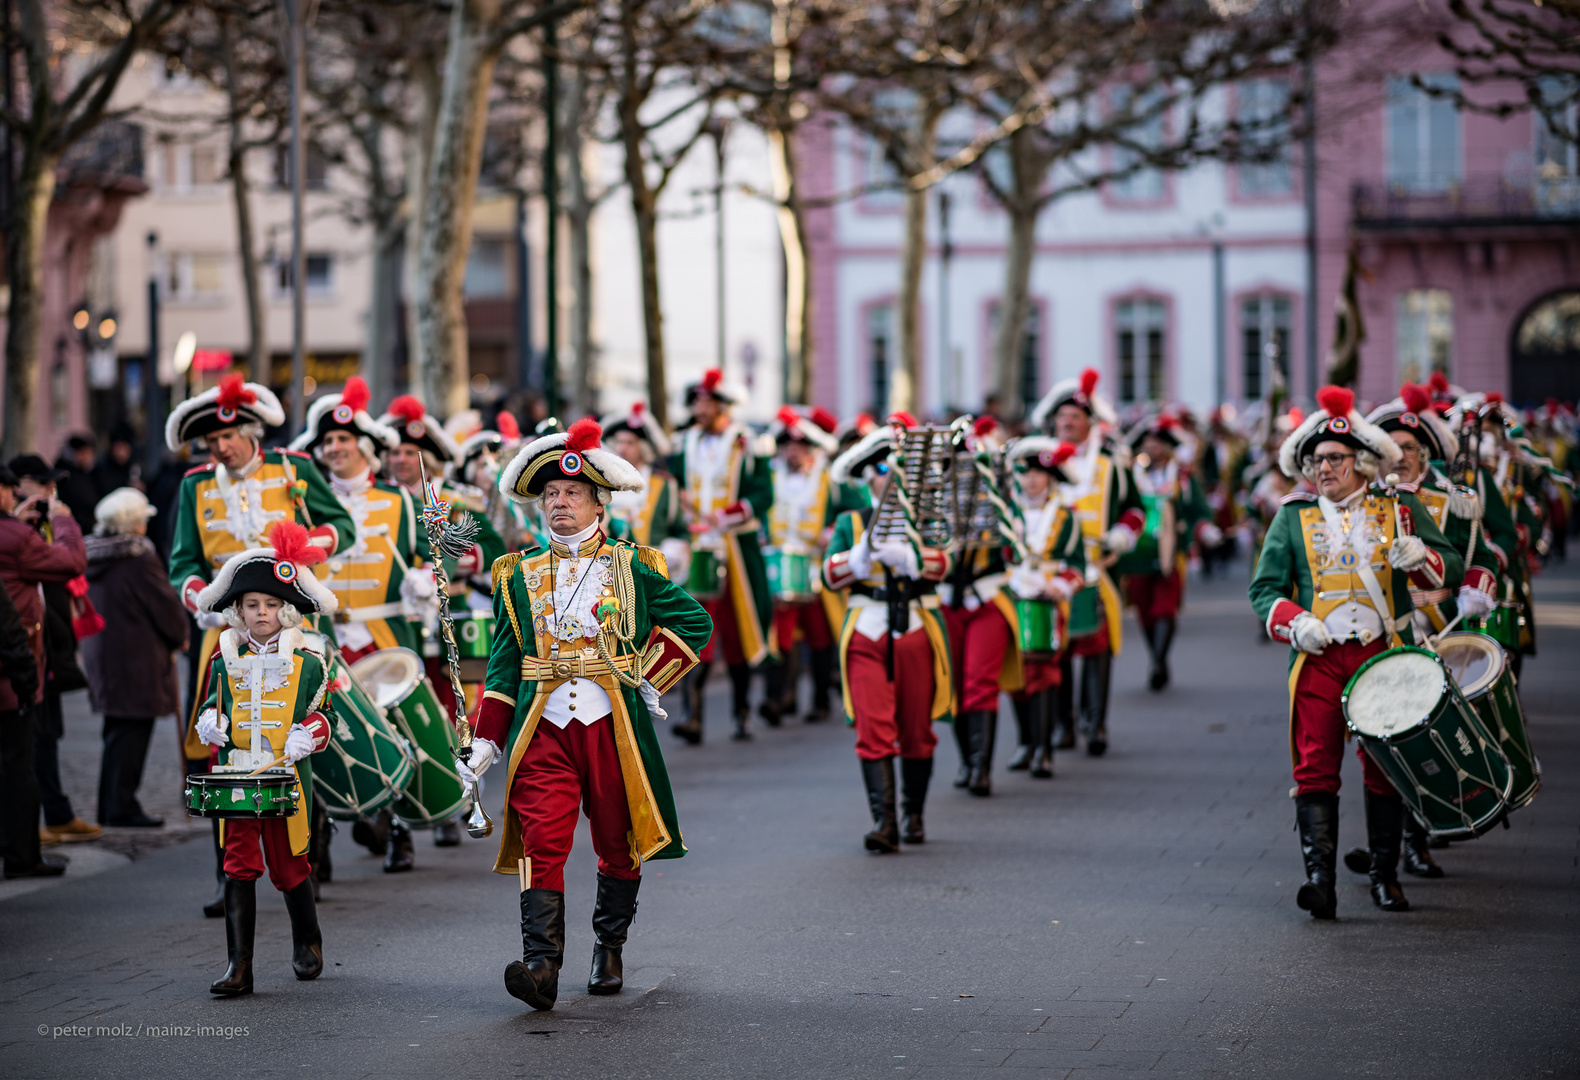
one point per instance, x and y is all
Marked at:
(1487, 644)
(1418, 723)
(395, 653)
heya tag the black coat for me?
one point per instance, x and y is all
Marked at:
(17, 662)
(130, 664)
(79, 491)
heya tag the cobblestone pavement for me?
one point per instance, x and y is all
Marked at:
(1135, 914)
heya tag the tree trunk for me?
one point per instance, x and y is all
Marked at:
(799, 344)
(578, 215)
(905, 386)
(378, 362)
(644, 208)
(418, 153)
(241, 195)
(35, 187)
(447, 207)
(1014, 308)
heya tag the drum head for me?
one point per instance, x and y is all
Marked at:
(1475, 660)
(389, 674)
(1394, 693)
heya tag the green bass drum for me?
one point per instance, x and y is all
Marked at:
(433, 793)
(1481, 668)
(367, 762)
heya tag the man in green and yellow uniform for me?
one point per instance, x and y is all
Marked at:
(726, 489)
(1333, 581)
(592, 632)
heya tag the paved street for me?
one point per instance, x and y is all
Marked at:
(1136, 913)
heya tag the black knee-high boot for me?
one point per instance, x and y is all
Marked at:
(962, 732)
(1042, 735)
(401, 855)
(1317, 819)
(788, 703)
(1160, 638)
(982, 725)
(772, 708)
(323, 830)
(307, 942)
(1096, 672)
(241, 920)
(535, 978)
(1020, 760)
(1064, 703)
(915, 775)
(215, 908)
(612, 915)
(695, 686)
(879, 777)
(740, 692)
(822, 685)
(1384, 832)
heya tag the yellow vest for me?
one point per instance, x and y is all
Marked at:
(1332, 568)
(361, 578)
(233, 515)
(276, 714)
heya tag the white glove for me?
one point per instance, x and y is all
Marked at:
(419, 594)
(1473, 602)
(211, 727)
(1059, 590)
(1308, 634)
(900, 557)
(1407, 553)
(1119, 540)
(859, 558)
(1211, 535)
(484, 754)
(1026, 583)
(212, 620)
(298, 744)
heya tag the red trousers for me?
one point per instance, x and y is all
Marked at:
(1317, 726)
(244, 861)
(561, 770)
(807, 617)
(1040, 675)
(978, 641)
(892, 717)
(726, 637)
(1155, 596)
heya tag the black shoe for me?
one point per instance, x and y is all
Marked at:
(1042, 763)
(980, 727)
(535, 978)
(1389, 896)
(740, 705)
(879, 778)
(691, 731)
(769, 711)
(915, 776)
(1158, 641)
(47, 866)
(138, 820)
(822, 685)
(1384, 835)
(399, 858)
(447, 834)
(373, 833)
(241, 918)
(612, 915)
(741, 732)
(1358, 860)
(307, 943)
(1418, 861)
(1020, 760)
(1317, 819)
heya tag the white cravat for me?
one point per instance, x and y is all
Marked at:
(578, 585)
(1354, 620)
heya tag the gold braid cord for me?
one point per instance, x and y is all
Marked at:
(625, 596)
(503, 567)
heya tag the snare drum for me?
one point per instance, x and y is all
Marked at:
(1417, 726)
(234, 794)
(1481, 668)
(1039, 628)
(395, 679)
(705, 581)
(474, 634)
(790, 576)
(1501, 625)
(368, 761)
(1086, 613)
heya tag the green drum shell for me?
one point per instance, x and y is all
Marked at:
(790, 576)
(1502, 626)
(435, 792)
(368, 762)
(1038, 624)
(474, 634)
(1086, 613)
(705, 579)
(1498, 704)
(1431, 763)
(237, 795)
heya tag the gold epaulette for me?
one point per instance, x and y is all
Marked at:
(653, 559)
(503, 567)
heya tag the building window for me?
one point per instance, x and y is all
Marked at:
(881, 181)
(320, 275)
(1424, 334)
(1141, 326)
(194, 276)
(1423, 137)
(880, 350)
(1264, 337)
(317, 168)
(487, 277)
(1264, 110)
(1144, 184)
(1557, 157)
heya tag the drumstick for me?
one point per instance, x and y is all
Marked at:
(524, 872)
(1441, 634)
(265, 768)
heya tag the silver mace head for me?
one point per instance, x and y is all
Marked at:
(478, 823)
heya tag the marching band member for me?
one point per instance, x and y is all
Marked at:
(806, 504)
(592, 633)
(265, 663)
(726, 490)
(225, 507)
(1223, 462)
(893, 648)
(1177, 516)
(479, 466)
(1110, 514)
(651, 517)
(1055, 570)
(1334, 582)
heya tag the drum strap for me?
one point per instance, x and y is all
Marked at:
(1363, 571)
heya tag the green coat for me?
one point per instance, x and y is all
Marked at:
(650, 602)
(1436, 493)
(411, 549)
(1190, 510)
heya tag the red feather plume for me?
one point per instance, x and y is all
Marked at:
(1438, 383)
(824, 419)
(983, 425)
(289, 541)
(408, 408)
(711, 379)
(1089, 379)
(903, 418)
(788, 416)
(1297, 415)
(584, 435)
(233, 391)
(506, 424)
(1063, 452)
(356, 394)
(1336, 400)
(1166, 422)
(1415, 398)
(1494, 398)
(637, 410)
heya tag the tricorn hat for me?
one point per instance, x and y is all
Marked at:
(1081, 392)
(1041, 452)
(412, 424)
(232, 403)
(639, 422)
(791, 426)
(283, 569)
(347, 411)
(1337, 420)
(1412, 412)
(577, 454)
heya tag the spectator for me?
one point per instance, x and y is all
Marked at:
(119, 466)
(130, 668)
(62, 674)
(74, 480)
(25, 562)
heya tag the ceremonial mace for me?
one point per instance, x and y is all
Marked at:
(453, 539)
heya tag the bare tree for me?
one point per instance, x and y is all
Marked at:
(74, 55)
(1533, 48)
